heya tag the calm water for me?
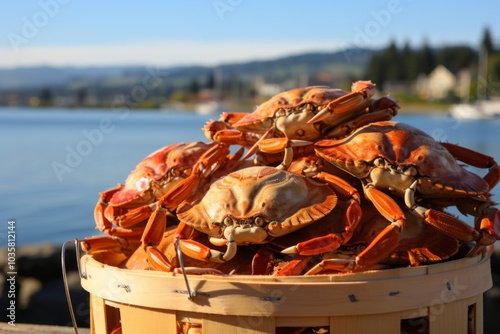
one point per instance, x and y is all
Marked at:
(55, 162)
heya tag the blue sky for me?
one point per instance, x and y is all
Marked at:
(167, 32)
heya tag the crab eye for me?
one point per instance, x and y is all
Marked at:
(281, 112)
(259, 221)
(379, 162)
(411, 171)
(175, 172)
(228, 221)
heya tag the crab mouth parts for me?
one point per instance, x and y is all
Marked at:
(245, 234)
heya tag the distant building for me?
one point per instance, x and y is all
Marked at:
(441, 81)
(437, 84)
(266, 90)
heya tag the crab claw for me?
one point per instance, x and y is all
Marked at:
(198, 251)
(315, 246)
(277, 145)
(360, 91)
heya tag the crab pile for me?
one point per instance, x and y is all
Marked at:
(315, 181)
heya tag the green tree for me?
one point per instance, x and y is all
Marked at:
(409, 63)
(210, 83)
(392, 61)
(376, 70)
(45, 97)
(81, 96)
(426, 59)
(486, 42)
(194, 87)
(456, 57)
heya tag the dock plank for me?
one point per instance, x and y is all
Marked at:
(32, 328)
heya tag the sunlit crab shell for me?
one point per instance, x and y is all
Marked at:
(257, 204)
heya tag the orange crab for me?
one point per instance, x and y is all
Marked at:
(301, 116)
(396, 159)
(419, 243)
(153, 192)
(131, 203)
(253, 205)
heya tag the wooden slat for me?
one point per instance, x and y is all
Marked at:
(449, 317)
(238, 324)
(478, 301)
(388, 323)
(302, 321)
(146, 320)
(98, 318)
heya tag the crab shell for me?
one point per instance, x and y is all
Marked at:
(157, 173)
(257, 204)
(303, 99)
(409, 154)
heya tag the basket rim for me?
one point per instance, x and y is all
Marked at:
(373, 292)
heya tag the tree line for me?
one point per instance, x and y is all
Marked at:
(404, 64)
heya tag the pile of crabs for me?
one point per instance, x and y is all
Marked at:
(315, 180)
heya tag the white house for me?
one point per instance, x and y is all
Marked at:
(439, 82)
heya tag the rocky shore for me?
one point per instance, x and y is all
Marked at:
(41, 299)
(40, 296)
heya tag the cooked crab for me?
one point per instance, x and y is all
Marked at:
(396, 159)
(419, 243)
(211, 163)
(253, 205)
(301, 116)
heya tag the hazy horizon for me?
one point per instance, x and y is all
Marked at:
(166, 33)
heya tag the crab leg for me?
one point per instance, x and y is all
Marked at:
(102, 223)
(234, 137)
(476, 159)
(488, 217)
(353, 214)
(199, 251)
(130, 217)
(295, 266)
(456, 228)
(340, 265)
(278, 145)
(365, 119)
(155, 227)
(100, 243)
(387, 240)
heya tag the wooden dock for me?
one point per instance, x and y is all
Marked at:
(31, 328)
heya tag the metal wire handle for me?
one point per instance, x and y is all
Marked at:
(65, 277)
(191, 294)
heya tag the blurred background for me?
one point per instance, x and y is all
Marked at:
(74, 54)
(89, 88)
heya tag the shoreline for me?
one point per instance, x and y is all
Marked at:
(406, 108)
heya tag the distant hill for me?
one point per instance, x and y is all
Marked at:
(73, 78)
(34, 77)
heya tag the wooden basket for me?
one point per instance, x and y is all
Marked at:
(439, 298)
